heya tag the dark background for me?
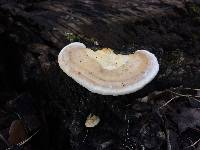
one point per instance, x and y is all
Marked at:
(33, 86)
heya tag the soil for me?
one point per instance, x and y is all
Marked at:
(52, 108)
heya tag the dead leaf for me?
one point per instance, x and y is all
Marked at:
(17, 132)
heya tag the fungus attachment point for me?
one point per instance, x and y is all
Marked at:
(105, 72)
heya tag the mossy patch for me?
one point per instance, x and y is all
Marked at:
(175, 57)
(194, 10)
(90, 42)
(72, 37)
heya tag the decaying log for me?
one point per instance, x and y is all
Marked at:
(33, 32)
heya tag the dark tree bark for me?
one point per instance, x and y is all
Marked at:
(33, 32)
(160, 26)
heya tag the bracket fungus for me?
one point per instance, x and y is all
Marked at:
(105, 72)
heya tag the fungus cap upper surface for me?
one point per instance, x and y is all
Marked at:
(105, 72)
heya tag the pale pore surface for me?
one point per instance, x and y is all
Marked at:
(106, 73)
(107, 59)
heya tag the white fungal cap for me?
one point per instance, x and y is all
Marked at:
(105, 72)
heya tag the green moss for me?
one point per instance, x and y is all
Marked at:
(72, 37)
(194, 10)
(175, 57)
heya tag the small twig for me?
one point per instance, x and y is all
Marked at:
(190, 140)
(192, 89)
(25, 141)
(195, 143)
(195, 99)
(18, 115)
(168, 102)
(183, 95)
(197, 90)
